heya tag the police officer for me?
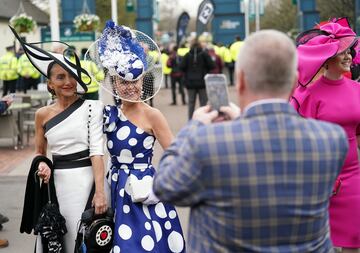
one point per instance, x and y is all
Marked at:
(28, 73)
(8, 70)
(93, 70)
(234, 51)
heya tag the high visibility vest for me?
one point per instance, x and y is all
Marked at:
(8, 67)
(225, 54)
(216, 49)
(182, 51)
(165, 68)
(96, 74)
(26, 69)
(234, 49)
(154, 56)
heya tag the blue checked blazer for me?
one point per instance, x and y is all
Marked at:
(260, 183)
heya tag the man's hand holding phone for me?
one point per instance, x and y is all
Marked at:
(205, 115)
(230, 112)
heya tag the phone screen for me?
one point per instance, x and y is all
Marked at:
(216, 90)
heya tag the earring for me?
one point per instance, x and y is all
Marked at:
(327, 66)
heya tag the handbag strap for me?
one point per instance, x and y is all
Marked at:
(92, 192)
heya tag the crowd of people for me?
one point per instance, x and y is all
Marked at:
(188, 63)
(16, 72)
(278, 173)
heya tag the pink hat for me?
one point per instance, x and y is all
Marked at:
(316, 46)
(356, 59)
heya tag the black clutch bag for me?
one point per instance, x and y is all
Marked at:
(96, 232)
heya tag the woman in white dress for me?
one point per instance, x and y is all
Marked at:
(72, 129)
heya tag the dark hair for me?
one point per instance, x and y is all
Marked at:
(48, 73)
(83, 51)
(50, 66)
(353, 51)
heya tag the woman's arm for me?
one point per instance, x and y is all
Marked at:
(44, 171)
(160, 128)
(99, 200)
(96, 144)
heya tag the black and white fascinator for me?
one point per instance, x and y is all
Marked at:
(41, 59)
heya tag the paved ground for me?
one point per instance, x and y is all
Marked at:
(14, 165)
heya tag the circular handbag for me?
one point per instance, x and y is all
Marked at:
(96, 232)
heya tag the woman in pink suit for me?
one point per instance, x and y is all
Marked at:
(334, 98)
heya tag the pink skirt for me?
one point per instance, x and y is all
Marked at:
(344, 212)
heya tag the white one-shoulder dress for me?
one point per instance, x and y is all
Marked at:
(73, 136)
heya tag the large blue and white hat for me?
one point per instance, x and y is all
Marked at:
(127, 55)
(120, 52)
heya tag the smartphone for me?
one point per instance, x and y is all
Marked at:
(216, 89)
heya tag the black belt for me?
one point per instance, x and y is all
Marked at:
(74, 160)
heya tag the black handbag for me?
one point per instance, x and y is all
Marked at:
(96, 232)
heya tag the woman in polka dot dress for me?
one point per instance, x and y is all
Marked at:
(147, 226)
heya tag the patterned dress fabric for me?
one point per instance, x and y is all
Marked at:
(338, 101)
(138, 227)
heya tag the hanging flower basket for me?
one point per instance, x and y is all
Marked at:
(23, 23)
(86, 22)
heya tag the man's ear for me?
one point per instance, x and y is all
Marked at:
(240, 82)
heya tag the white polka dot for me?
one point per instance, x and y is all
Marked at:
(122, 192)
(126, 209)
(158, 230)
(124, 167)
(125, 156)
(176, 242)
(122, 116)
(147, 225)
(147, 243)
(125, 232)
(110, 144)
(140, 155)
(148, 142)
(123, 133)
(172, 214)
(132, 142)
(140, 166)
(114, 177)
(127, 171)
(160, 210)
(138, 64)
(146, 211)
(139, 130)
(116, 249)
(111, 127)
(168, 225)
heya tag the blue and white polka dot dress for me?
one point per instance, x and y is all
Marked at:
(138, 227)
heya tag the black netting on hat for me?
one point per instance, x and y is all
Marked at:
(304, 37)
